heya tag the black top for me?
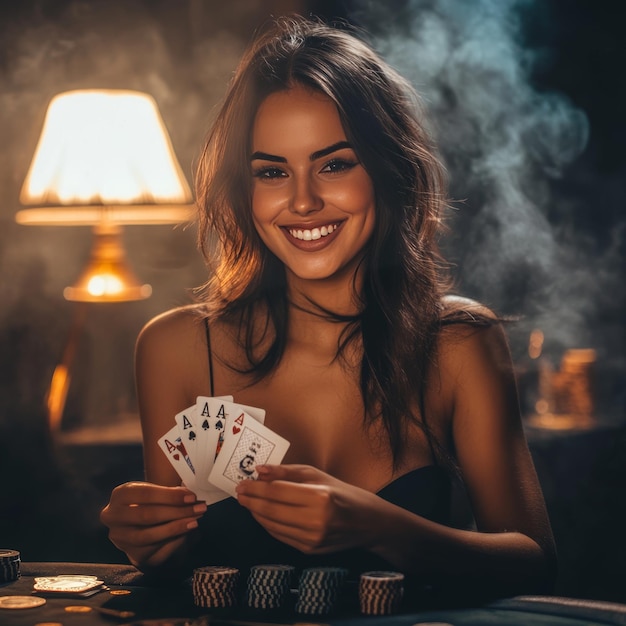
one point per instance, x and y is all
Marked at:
(231, 536)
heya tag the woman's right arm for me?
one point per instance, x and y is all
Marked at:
(153, 521)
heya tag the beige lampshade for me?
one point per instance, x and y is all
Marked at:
(105, 148)
(104, 159)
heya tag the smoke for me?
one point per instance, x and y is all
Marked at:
(506, 145)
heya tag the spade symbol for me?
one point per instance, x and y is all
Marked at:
(205, 425)
(218, 425)
(192, 435)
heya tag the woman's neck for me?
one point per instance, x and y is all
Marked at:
(312, 307)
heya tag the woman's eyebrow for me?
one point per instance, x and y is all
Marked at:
(264, 156)
(340, 145)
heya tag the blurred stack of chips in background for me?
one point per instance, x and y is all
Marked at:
(9, 565)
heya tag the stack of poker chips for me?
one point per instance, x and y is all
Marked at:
(9, 565)
(319, 589)
(215, 586)
(269, 586)
(380, 593)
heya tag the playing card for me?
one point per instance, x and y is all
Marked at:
(186, 422)
(171, 443)
(247, 443)
(213, 415)
(188, 432)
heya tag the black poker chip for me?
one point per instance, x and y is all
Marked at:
(380, 592)
(269, 586)
(319, 589)
(9, 565)
(215, 586)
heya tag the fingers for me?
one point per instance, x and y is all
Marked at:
(295, 473)
(144, 504)
(150, 493)
(149, 522)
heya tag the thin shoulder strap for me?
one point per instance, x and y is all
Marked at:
(208, 345)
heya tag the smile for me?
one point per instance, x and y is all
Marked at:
(304, 234)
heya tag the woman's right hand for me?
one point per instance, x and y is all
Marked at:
(150, 522)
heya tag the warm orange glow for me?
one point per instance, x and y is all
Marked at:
(57, 395)
(535, 345)
(107, 277)
(104, 147)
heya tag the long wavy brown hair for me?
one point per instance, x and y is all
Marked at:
(404, 280)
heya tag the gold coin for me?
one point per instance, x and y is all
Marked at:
(78, 608)
(119, 592)
(20, 602)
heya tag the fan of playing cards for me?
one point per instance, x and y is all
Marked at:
(216, 443)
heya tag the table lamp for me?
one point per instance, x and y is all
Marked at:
(104, 160)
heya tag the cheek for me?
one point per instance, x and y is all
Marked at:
(265, 204)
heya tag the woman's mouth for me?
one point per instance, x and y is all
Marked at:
(313, 234)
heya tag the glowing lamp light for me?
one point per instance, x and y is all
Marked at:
(104, 159)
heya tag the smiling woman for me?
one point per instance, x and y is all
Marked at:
(320, 195)
(312, 200)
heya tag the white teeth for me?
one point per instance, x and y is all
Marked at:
(312, 235)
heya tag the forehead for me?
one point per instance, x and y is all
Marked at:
(296, 118)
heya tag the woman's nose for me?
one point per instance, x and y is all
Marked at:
(305, 197)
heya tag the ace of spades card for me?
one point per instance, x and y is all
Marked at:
(247, 443)
(188, 429)
(213, 415)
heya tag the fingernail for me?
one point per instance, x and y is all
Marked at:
(189, 499)
(200, 507)
(192, 525)
(262, 469)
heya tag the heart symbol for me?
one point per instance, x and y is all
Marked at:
(176, 456)
(236, 429)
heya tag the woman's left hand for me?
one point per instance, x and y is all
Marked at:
(309, 509)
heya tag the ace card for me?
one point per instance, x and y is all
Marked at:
(247, 443)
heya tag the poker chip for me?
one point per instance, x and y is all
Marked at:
(380, 593)
(269, 586)
(78, 608)
(9, 565)
(20, 602)
(215, 586)
(319, 589)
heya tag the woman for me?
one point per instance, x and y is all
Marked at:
(320, 196)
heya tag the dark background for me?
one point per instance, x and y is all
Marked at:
(527, 99)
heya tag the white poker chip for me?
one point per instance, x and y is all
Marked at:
(20, 602)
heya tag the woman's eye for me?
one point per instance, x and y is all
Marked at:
(268, 173)
(338, 165)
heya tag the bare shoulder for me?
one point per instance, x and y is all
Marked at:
(471, 336)
(182, 324)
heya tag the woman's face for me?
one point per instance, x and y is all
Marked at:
(312, 201)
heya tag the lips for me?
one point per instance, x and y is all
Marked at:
(312, 237)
